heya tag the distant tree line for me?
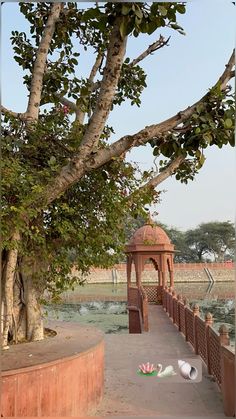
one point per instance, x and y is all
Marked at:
(208, 242)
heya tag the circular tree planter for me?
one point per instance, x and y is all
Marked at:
(59, 376)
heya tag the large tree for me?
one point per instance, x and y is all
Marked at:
(214, 239)
(66, 185)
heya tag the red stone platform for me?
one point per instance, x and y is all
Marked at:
(59, 376)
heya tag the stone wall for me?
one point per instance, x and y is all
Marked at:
(186, 272)
(64, 376)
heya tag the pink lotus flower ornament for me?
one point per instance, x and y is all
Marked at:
(146, 368)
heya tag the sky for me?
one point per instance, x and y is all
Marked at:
(177, 76)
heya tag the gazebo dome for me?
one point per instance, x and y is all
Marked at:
(149, 234)
(150, 242)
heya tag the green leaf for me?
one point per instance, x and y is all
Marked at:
(175, 26)
(207, 137)
(162, 10)
(123, 28)
(138, 13)
(228, 123)
(202, 159)
(126, 9)
(156, 151)
(180, 8)
(52, 160)
(152, 26)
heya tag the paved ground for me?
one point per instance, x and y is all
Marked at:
(127, 394)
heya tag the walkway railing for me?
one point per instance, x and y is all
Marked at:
(212, 347)
(154, 293)
(144, 305)
(138, 310)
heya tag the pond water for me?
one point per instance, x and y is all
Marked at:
(104, 305)
(109, 316)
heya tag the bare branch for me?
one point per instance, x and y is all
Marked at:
(95, 67)
(40, 63)
(160, 43)
(160, 177)
(21, 116)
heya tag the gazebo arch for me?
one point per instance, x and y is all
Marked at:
(150, 242)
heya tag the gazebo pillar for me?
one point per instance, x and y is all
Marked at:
(171, 278)
(129, 269)
(163, 278)
(138, 269)
(159, 277)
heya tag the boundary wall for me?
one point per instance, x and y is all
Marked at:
(183, 272)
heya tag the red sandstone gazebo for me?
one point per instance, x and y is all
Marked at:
(150, 242)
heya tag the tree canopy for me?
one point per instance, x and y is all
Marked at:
(212, 241)
(67, 187)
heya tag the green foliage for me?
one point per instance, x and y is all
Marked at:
(147, 17)
(87, 225)
(131, 84)
(209, 240)
(213, 239)
(212, 124)
(184, 254)
(91, 28)
(86, 222)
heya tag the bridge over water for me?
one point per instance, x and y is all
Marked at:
(127, 394)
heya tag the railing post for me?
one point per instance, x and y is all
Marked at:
(164, 301)
(135, 320)
(224, 335)
(179, 299)
(172, 305)
(169, 300)
(185, 301)
(196, 312)
(228, 380)
(208, 323)
(144, 307)
(174, 298)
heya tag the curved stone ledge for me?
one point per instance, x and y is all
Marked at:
(59, 376)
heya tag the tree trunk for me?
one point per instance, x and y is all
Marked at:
(34, 321)
(8, 276)
(21, 312)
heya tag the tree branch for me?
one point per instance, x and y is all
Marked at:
(67, 102)
(79, 114)
(81, 165)
(40, 63)
(161, 42)
(111, 75)
(160, 177)
(21, 116)
(142, 137)
(95, 67)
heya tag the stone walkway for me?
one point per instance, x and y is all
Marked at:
(127, 394)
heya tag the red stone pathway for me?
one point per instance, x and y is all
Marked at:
(127, 395)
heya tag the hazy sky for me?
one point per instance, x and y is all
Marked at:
(178, 75)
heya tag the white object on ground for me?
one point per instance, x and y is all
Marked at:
(168, 371)
(187, 371)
